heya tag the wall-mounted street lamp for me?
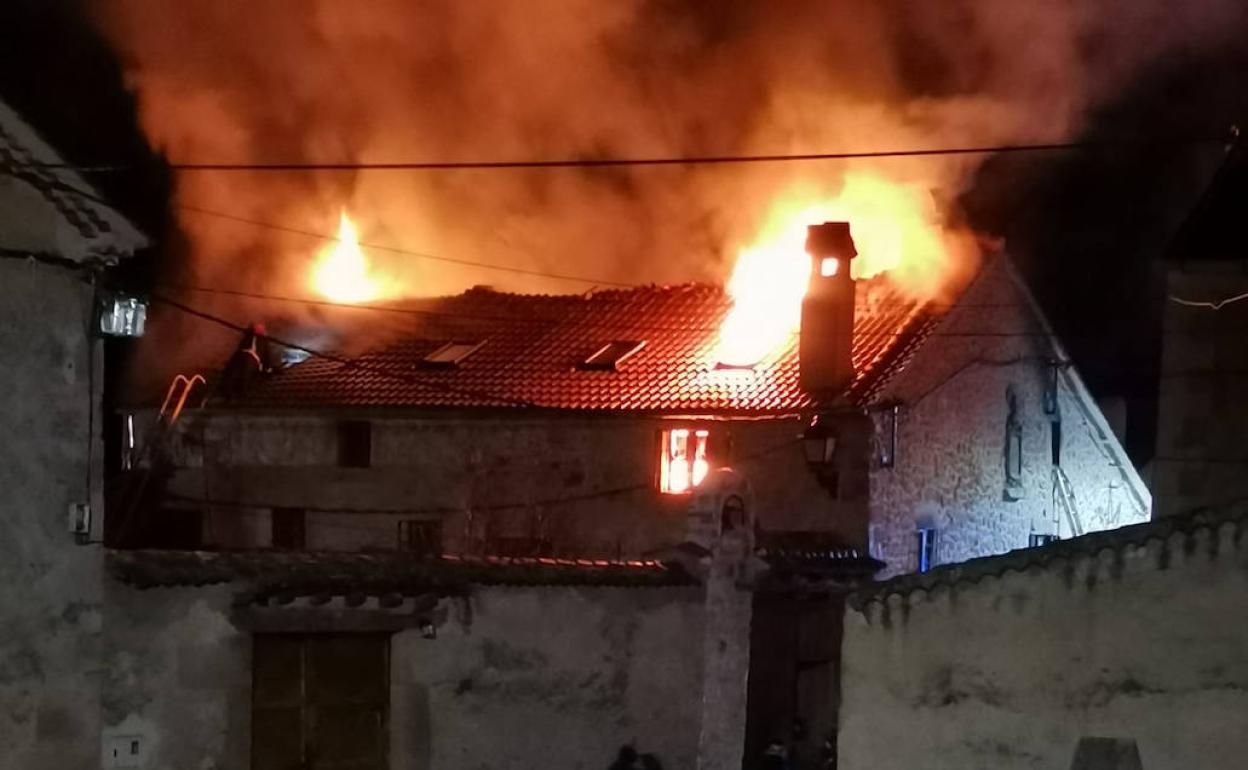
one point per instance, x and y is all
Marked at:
(121, 315)
(819, 448)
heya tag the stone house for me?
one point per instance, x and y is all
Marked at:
(1200, 459)
(578, 426)
(1118, 649)
(527, 510)
(55, 246)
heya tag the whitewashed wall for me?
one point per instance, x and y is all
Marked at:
(1145, 642)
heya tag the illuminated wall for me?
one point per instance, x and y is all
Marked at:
(979, 410)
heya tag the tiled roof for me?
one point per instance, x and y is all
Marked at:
(533, 344)
(1062, 552)
(313, 573)
(21, 152)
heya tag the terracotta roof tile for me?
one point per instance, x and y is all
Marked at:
(533, 344)
(302, 573)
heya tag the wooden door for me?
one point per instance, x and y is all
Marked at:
(320, 702)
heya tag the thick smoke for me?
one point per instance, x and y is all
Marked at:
(394, 80)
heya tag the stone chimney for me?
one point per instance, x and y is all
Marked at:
(825, 346)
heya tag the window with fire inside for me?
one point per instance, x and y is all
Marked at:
(683, 459)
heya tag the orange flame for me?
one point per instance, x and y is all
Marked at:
(342, 271)
(895, 226)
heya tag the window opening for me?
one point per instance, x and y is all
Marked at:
(288, 528)
(450, 355)
(888, 438)
(420, 537)
(1050, 389)
(1055, 441)
(927, 548)
(1013, 447)
(610, 356)
(684, 462)
(1036, 540)
(355, 444)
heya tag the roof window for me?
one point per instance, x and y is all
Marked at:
(611, 355)
(450, 355)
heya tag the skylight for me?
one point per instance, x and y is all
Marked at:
(451, 354)
(611, 355)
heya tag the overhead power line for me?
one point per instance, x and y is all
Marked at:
(1216, 304)
(938, 308)
(491, 507)
(346, 362)
(591, 162)
(404, 252)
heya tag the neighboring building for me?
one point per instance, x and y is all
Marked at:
(996, 443)
(1120, 650)
(562, 442)
(1201, 460)
(54, 244)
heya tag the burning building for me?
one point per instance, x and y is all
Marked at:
(582, 447)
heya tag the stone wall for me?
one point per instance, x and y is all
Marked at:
(49, 586)
(50, 381)
(1009, 662)
(586, 484)
(1202, 419)
(176, 678)
(949, 470)
(523, 678)
(516, 677)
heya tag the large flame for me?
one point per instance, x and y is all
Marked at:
(342, 272)
(896, 228)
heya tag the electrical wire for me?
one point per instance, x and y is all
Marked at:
(1209, 304)
(403, 252)
(592, 281)
(977, 362)
(346, 362)
(695, 160)
(489, 508)
(625, 325)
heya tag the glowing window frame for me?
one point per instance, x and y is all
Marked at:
(609, 357)
(450, 355)
(683, 464)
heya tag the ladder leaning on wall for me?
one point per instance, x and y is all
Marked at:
(1064, 500)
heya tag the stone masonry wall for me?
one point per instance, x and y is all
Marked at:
(49, 586)
(1202, 419)
(515, 678)
(950, 459)
(1142, 642)
(492, 476)
(176, 678)
(526, 677)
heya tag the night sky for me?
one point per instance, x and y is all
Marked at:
(1088, 228)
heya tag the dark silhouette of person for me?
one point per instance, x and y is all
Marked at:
(249, 361)
(776, 757)
(626, 759)
(650, 762)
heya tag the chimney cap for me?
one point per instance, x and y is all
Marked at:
(830, 239)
